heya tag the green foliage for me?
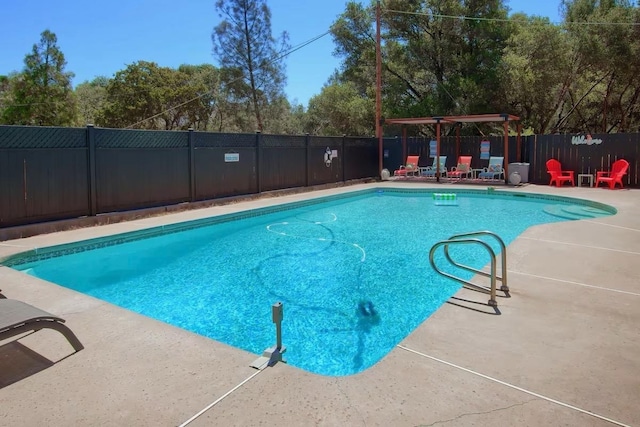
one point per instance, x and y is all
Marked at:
(606, 41)
(41, 94)
(91, 97)
(339, 110)
(243, 42)
(582, 76)
(432, 64)
(147, 96)
(539, 68)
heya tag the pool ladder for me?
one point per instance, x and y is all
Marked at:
(466, 239)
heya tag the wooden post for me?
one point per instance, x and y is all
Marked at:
(192, 169)
(91, 144)
(519, 142)
(307, 141)
(438, 151)
(378, 88)
(506, 151)
(458, 126)
(404, 143)
(258, 160)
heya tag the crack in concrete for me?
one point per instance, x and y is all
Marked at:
(478, 413)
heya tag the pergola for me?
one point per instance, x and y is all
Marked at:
(456, 120)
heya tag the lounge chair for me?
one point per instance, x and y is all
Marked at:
(463, 169)
(17, 317)
(554, 168)
(410, 168)
(618, 170)
(431, 171)
(494, 170)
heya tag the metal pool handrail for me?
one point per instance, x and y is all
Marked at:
(446, 243)
(503, 253)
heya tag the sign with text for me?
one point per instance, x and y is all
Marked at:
(231, 157)
(585, 140)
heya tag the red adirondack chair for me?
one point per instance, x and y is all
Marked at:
(554, 168)
(618, 170)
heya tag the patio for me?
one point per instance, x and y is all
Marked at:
(564, 350)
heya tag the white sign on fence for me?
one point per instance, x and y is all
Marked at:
(582, 140)
(231, 157)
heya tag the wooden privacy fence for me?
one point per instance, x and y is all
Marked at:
(582, 154)
(450, 147)
(49, 173)
(575, 152)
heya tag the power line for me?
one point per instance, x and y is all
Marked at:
(274, 59)
(520, 21)
(26, 105)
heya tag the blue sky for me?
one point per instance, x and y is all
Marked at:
(101, 37)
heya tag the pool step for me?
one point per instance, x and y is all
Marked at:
(574, 211)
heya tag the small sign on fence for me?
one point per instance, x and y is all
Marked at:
(582, 140)
(231, 157)
(485, 149)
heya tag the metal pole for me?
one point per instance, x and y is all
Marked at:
(276, 312)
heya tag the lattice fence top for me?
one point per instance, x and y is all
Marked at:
(360, 142)
(325, 141)
(126, 138)
(225, 140)
(284, 141)
(25, 137)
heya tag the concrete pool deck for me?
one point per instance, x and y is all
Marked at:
(564, 351)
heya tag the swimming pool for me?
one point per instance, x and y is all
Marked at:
(352, 271)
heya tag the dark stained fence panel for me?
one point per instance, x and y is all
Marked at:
(282, 162)
(43, 174)
(360, 158)
(584, 158)
(215, 177)
(138, 178)
(137, 169)
(13, 209)
(391, 154)
(321, 172)
(56, 183)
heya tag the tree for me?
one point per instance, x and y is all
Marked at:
(41, 94)
(434, 62)
(5, 93)
(91, 97)
(606, 39)
(147, 96)
(539, 68)
(339, 110)
(243, 42)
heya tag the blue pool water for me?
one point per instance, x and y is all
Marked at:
(353, 274)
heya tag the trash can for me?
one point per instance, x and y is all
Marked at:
(522, 169)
